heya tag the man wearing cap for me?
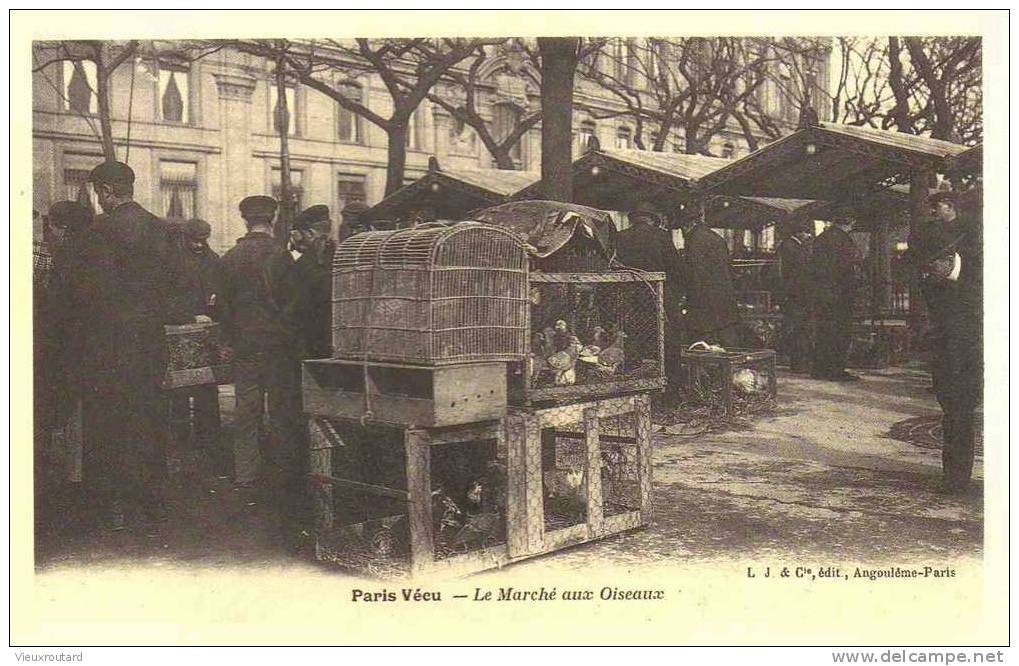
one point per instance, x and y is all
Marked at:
(314, 269)
(794, 264)
(711, 311)
(947, 253)
(202, 274)
(260, 320)
(833, 265)
(352, 223)
(132, 278)
(648, 247)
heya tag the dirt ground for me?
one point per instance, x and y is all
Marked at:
(820, 477)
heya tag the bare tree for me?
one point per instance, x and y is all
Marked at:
(559, 58)
(408, 68)
(702, 85)
(107, 56)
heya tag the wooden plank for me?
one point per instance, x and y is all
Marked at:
(358, 486)
(468, 563)
(566, 537)
(534, 491)
(597, 277)
(592, 476)
(419, 488)
(644, 452)
(320, 463)
(463, 433)
(621, 522)
(516, 491)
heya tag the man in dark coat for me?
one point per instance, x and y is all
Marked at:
(261, 308)
(794, 266)
(132, 287)
(314, 270)
(711, 311)
(833, 264)
(648, 247)
(947, 252)
(63, 333)
(202, 275)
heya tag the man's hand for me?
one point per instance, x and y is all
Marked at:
(203, 319)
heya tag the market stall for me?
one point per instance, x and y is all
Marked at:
(447, 194)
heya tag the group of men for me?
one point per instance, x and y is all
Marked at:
(114, 282)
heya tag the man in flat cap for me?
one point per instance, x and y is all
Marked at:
(132, 282)
(261, 310)
(833, 264)
(202, 275)
(711, 311)
(947, 253)
(352, 222)
(794, 271)
(314, 269)
(646, 246)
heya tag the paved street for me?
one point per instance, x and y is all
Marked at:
(820, 478)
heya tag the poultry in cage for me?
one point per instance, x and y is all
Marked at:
(564, 363)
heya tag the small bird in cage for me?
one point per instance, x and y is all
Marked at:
(562, 336)
(747, 381)
(612, 357)
(564, 363)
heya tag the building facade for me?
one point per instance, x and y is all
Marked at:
(201, 134)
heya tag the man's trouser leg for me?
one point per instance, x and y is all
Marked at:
(958, 445)
(823, 333)
(180, 419)
(103, 469)
(206, 415)
(145, 447)
(248, 388)
(842, 332)
(289, 438)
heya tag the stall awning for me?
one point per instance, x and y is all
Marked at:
(829, 162)
(450, 193)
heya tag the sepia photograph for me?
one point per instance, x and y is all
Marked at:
(671, 323)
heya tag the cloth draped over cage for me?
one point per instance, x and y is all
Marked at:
(548, 227)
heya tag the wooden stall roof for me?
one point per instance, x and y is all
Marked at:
(618, 179)
(829, 162)
(968, 163)
(451, 193)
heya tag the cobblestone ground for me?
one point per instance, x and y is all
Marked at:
(819, 478)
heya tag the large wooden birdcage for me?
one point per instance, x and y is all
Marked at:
(431, 295)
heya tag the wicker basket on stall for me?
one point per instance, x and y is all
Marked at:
(431, 295)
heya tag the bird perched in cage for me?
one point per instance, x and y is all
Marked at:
(564, 363)
(477, 529)
(445, 512)
(600, 337)
(561, 335)
(536, 359)
(609, 360)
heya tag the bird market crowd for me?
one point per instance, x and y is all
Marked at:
(105, 288)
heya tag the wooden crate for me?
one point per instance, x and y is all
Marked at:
(600, 433)
(403, 394)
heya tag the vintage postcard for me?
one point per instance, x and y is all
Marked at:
(509, 328)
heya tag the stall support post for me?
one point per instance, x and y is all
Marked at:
(419, 488)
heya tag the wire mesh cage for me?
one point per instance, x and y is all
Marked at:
(364, 484)
(196, 355)
(735, 382)
(592, 334)
(433, 294)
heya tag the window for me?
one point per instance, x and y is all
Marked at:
(80, 85)
(296, 187)
(623, 138)
(291, 97)
(585, 133)
(504, 120)
(349, 188)
(174, 94)
(349, 123)
(178, 185)
(77, 188)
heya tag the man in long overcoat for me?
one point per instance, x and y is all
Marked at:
(794, 265)
(833, 265)
(711, 311)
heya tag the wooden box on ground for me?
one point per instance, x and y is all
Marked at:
(733, 382)
(196, 356)
(529, 484)
(403, 394)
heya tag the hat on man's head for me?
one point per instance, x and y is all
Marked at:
(112, 173)
(70, 215)
(950, 196)
(258, 206)
(354, 209)
(313, 216)
(197, 229)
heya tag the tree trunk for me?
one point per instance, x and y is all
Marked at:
(558, 65)
(285, 217)
(103, 100)
(396, 154)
